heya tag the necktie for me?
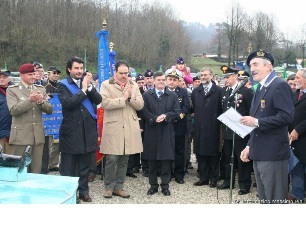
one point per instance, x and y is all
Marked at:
(230, 91)
(205, 90)
(258, 88)
(300, 95)
(160, 94)
(78, 83)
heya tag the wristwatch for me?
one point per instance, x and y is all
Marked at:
(256, 124)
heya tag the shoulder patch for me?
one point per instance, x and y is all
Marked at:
(14, 85)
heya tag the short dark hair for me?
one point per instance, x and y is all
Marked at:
(70, 62)
(158, 74)
(121, 62)
(291, 77)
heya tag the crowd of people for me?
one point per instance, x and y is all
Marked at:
(153, 123)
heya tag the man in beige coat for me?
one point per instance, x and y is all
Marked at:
(121, 135)
(26, 102)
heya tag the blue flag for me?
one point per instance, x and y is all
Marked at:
(53, 121)
(103, 56)
(112, 62)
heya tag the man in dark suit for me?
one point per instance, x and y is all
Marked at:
(180, 123)
(298, 137)
(271, 113)
(78, 130)
(241, 101)
(160, 110)
(207, 106)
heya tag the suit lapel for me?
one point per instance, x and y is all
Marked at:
(258, 97)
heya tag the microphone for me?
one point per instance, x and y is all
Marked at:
(242, 84)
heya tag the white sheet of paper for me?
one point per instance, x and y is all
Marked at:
(231, 119)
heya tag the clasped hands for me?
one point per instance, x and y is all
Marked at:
(127, 91)
(36, 96)
(86, 83)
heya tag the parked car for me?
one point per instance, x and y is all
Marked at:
(15, 78)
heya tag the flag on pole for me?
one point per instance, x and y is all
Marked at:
(112, 62)
(103, 56)
(103, 74)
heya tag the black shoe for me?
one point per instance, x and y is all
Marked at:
(213, 184)
(180, 181)
(166, 192)
(243, 191)
(145, 174)
(85, 198)
(223, 186)
(54, 168)
(131, 175)
(190, 166)
(135, 170)
(152, 191)
(201, 182)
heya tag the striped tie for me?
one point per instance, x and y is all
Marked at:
(205, 90)
(160, 94)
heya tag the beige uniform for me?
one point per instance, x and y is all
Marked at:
(27, 125)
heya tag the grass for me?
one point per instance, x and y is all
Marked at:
(197, 63)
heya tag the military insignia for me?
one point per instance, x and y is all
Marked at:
(180, 100)
(14, 85)
(262, 104)
(260, 53)
(224, 68)
(182, 115)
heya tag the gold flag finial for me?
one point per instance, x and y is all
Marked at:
(104, 16)
(111, 46)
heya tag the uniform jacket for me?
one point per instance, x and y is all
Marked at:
(244, 100)
(180, 125)
(299, 124)
(121, 133)
(27, 125)
(273, 107)
(206, 125)
(159, 138)
(5, 116)
(78, 132)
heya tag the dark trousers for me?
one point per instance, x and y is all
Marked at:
(179, 162)
(165, 173)
(93, 164)
(45, 157)
(134, 162)
(77, 165)
(244, 168)
(208, 168)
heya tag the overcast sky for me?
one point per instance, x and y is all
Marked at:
(290, 16)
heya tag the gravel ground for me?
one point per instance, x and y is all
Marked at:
(185, 193)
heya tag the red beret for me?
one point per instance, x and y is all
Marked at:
(26, 68)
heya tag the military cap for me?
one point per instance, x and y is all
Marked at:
(260, 54)
(26, 68)
(173, 73)
(243, 74)
(196, 78)
(227, 71)
(180, 60)
(139, 77)
(148, 73)
(5, 72)
(37, 65)
(53, 69)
